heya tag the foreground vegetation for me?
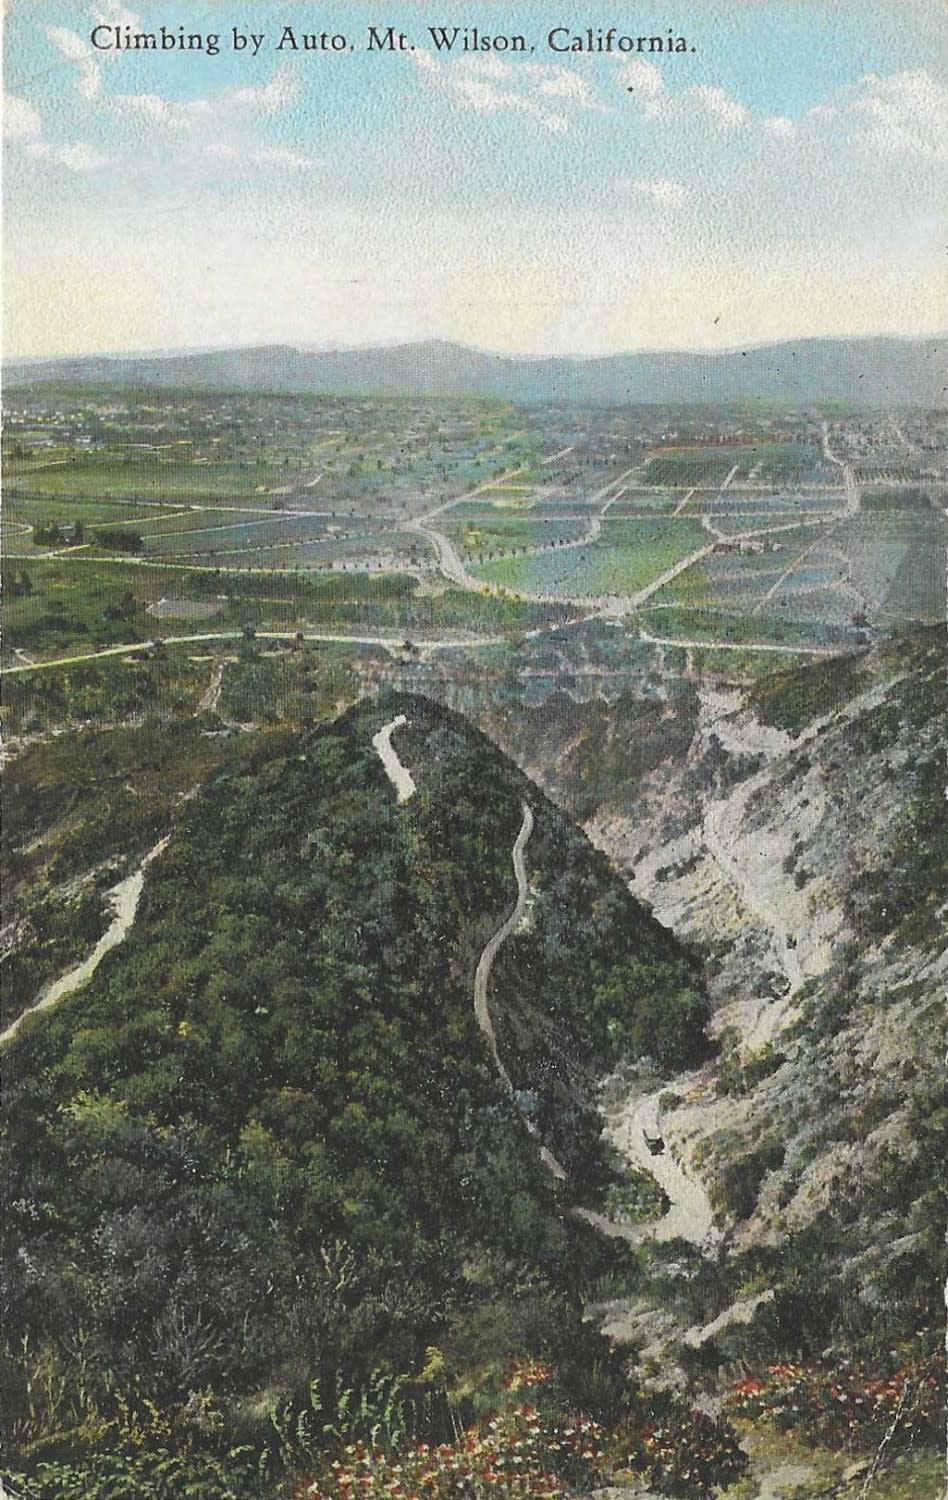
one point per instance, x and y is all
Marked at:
(264, 1159)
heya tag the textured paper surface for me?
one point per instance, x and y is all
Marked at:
(474, 856)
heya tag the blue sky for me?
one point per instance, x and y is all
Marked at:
(785, 177)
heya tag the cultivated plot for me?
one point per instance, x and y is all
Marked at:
(626, 556)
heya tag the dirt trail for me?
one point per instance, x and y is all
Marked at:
(670, 573)
(690, 1215)
(124, 898)
(399, 775)
(211, 697)
(482, 980)
(486, 961)
(741, 1311)
(132, 648)
(849, 477)
(791, 649)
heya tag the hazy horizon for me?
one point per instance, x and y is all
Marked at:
(308, 347)
(779, 176)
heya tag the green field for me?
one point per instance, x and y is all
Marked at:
(626, 557)
(718, 625)
(743, 666)
(481, 531)
(767, 463)
(63, 606)
(690, 466)
(102, 478)
(35, 510)
(652, 501)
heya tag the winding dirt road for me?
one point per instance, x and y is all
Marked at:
(690, 1215)
(486, 960)
(452, 565)
(482, 980)
(849, 477)
(791, 648)
(124, 898)
(399, 775)
(132, 648)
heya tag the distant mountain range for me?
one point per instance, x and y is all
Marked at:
(864, 372)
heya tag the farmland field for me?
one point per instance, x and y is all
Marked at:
(236, 509)
(480, 531)
(638, 499)
(898, 562)
(765, 463)
(717, 626)
(103, 478)
(761, 504)
(625, 557)
(32, 510)
(224, 534)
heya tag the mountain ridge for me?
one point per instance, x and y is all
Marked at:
(876, 370)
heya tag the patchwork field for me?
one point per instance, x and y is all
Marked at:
(116, 505)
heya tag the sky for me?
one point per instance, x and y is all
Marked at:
(783, 175)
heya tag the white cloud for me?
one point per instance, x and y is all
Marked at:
(20, 119)
(78, 156)
(701, 105)
(642, 78)
(278, 156)
(558, 82)
(717, 103)
(161, 111)
(905, 114)
(72, 47)
(228, 105)
(21, 122)
(491, 86)
(779, 126)
(270, 98)
(664, 191)
(263, 156)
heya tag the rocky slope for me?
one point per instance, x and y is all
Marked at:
(798, 845)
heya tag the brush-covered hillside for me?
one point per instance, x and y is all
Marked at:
(265, 1164)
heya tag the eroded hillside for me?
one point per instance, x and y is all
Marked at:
(797, 844)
